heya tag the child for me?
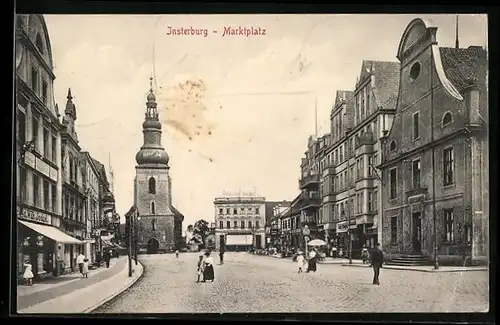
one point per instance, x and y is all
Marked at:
(177, 253)
(28, 274)
(301, 262)
(200, 268)
(85, 268)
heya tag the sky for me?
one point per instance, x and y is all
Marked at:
(236, 111)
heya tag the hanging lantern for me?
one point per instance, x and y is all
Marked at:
(39, 241)
(26, 242)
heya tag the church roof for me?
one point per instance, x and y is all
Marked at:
(177, 213)
(463, 65)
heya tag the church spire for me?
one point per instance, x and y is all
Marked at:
(70, 106)
(457, 44)
(151, 110)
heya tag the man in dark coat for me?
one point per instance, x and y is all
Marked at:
(222, 249)
(377, 259)
(107, 257)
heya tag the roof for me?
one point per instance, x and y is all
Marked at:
(101, 169)
(464, 64)
(177, 213)
(386, 80)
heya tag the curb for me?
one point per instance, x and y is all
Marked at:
(423, 270)
(140, 272)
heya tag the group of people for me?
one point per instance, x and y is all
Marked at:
(309, 264)
(205, 269)
(83, 265)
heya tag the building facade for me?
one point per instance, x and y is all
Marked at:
(38, 152)
(435, 162)
(92, 203)
(240, 222)
(160, 224)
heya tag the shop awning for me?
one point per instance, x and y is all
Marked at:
(51, 232)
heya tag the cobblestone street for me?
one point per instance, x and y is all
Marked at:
(250, 283)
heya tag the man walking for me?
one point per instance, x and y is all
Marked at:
(377, 259)
(107, 258)
(221, 254)
(79, 261)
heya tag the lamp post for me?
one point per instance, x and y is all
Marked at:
(129, 236)
(306, 232)
(136, 242)
(349, 229)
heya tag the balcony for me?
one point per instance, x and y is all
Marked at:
(310, 200)
(367, 138)
(73, 224)
(309, 181)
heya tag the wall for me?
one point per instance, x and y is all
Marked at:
(144, 198)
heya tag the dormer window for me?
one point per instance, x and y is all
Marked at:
(415, 71)
(447, 119)
(392, 146)
(39, 43)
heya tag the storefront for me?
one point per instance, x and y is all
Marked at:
(342, 238)
(39, 243)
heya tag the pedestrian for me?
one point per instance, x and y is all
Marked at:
(334, 251)
(85, 269)
(208, 268)
(311, 264)
(221, 254)
(365, 256)
(107, 258)
(177, 253)
(28, 274)
(301, 262)
(199, 270)
(79, 261)
(377, 259)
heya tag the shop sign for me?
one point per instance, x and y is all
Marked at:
(342, 226)
(32, 215)
(29, 159)
(42, 167)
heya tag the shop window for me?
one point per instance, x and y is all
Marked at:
(394, 230)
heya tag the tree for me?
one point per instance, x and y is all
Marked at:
(200, 232)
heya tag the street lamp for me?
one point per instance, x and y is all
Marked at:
(349, 229)
(306, 232)
(136, 248)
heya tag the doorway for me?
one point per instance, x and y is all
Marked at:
(258, 241)
(153, 246)
(417, 232)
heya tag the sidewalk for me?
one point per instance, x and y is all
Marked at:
(429, 269)
(73, 294)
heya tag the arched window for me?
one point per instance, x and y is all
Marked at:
(447, 119)
(39, 43)
(152, 208)
(153, 223)
(152, 185)
(392, 146)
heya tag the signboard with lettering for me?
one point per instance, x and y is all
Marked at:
(36, 216)
(342, 226)
(42, 167)
(29, 159)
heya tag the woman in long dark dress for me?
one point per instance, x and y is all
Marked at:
(208, 269)
(313, 256)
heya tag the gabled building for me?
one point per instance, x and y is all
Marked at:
(435, 165)
(272, 209)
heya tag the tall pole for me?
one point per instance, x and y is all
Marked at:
(136, 233)
(436, 261)
(349, 230)
(130, 245)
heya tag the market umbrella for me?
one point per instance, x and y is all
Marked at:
(316, 242)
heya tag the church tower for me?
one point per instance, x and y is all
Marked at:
(152, 186)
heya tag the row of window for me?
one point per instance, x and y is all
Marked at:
(235, 210)
(416, 171)
(449, 230)
(357, 206)
(48, 146)
(446, 120)
(346, 178)
(44, 191)
(242, 224)
(74, 207)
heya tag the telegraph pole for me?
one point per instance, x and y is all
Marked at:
(349, 230)
(129, 219)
